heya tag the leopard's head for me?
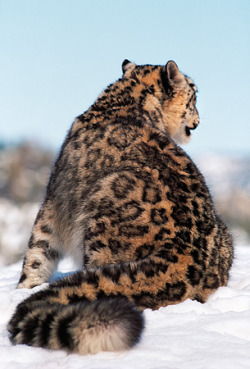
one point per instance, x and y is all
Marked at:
(181, 114)
(176, 93)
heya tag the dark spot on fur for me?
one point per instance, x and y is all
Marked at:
(31, 242)
(122, 136)
(92, 157)
(168, 256)
(211, 281)
(130, 230)
(122, 185)
(145, 300)
(183, 236)
(114, 245)
(175, 291)
(36, 265)
(46, 229)
(86, 259)
(158, 216)
(74, 298)
(162, 233)
(143, 251)
(29, 330)
(112, 273)
(108, 161)
(42, 244)
(151, 194)
(97, 245)
(130, 211)
(194, 275)
(40, 215)
(95, 229)
(63, 332)
(52, 254)
(46, 329)
(22, 278)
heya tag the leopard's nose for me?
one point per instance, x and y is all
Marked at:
(189, 129)
(195, 125)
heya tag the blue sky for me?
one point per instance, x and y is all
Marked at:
(56, 56)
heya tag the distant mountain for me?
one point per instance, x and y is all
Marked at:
(24, 172)
(229, 181)
(226, 173)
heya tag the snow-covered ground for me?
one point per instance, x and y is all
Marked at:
(214, 335)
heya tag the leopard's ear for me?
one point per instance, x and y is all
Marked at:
(173, 74)
(126, 65)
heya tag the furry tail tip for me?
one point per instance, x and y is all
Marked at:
(108, 324)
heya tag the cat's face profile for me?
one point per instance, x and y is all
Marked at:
(176, 93)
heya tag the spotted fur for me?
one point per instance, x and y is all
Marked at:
(133, 209)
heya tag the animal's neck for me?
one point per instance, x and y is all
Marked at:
(135, 103)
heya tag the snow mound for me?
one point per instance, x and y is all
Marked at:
(188, 335)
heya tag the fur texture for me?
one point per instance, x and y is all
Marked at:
(135, 211)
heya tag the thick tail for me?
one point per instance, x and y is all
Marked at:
(108, 324)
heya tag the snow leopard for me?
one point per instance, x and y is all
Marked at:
(135, 212)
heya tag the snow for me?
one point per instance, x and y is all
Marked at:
(189, 335)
